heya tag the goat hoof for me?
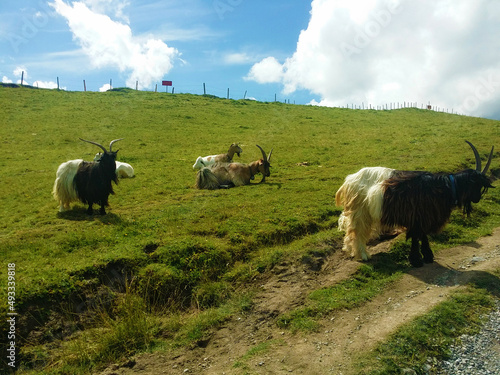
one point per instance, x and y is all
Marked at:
(416, 262)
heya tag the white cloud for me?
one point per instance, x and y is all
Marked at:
(383, 51)
(20, 71)
(109, 43)
(237, 58)
(114, 7)
(269, 70)
(45, 84)
(105, 87)
(6, 79)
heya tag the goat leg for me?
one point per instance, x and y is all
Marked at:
(415, 257)
(90, 211)
(426, 250)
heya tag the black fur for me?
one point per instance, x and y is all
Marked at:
(422, 203)
(93, 181)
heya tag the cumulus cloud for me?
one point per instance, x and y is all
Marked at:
(110, 43)
(105, 87)
(45, 84)
(384, 51)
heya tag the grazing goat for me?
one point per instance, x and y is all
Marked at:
(123, 170)
(225, 175)
(380, 199)
(89, 182)
(207, 161)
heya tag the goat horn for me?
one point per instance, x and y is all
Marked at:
(476, 155)
(269, 156)
(489, 161)
(94, 143)
(263, 153)
(113, 141)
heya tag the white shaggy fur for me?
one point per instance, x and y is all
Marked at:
(362, 198)
(124, 170)
(205, 161)
(64, 190)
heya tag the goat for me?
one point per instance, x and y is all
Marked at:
(207, 161)
(123, 170)
(225, 175)
(379, 199)
(87, 181)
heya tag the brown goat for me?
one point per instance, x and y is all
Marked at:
(226, 175)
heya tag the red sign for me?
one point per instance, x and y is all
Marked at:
(166, 83)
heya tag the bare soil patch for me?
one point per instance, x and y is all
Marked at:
(344, 335)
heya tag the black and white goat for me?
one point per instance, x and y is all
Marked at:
(380, 199)
(87, 181)
(225, 175)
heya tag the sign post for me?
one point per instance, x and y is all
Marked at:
(166, 84)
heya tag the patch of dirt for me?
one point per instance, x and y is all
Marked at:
(343, 336)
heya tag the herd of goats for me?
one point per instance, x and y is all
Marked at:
(375, 199)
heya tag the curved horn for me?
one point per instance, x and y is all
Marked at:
(269, 156)
(94, 143)
(263, 153)
(113, 141)
(489, 161)
(476, 155)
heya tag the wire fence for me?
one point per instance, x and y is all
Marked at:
(224, 93)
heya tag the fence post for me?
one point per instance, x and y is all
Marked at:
(228, 92)
(58, 83)
(204, 89)
(22, 77)
(84, 86)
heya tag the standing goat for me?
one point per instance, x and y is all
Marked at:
(87, 181)
(224, 175)
(207, 161)
(379, 199)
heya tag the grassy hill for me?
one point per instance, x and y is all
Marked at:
(172, 247)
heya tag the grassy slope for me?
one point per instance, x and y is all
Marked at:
(203, 234)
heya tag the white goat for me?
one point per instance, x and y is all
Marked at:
(207, 161)
(123, 170)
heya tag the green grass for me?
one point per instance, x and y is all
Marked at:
(429, 336)
(203, 245)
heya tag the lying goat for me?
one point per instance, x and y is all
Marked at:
(123, 170)
(87, 181)
(378, 198)
(207, 161)
(225, 175)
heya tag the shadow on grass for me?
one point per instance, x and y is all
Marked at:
(80, 214)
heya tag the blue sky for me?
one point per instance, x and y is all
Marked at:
(323, 52)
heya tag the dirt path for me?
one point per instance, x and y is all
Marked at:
(343, 335)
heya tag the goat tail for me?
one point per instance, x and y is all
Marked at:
(206, 179)
(362, 198)
(64, 190)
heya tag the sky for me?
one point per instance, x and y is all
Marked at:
(369, 53)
